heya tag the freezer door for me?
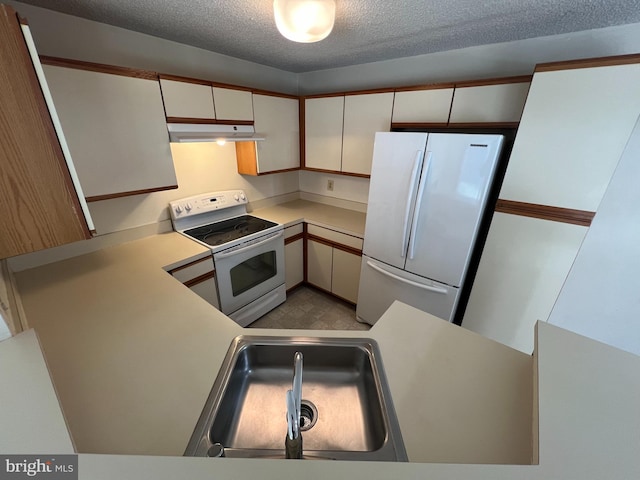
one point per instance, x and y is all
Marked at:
(381, 284)
(452, 194)
(395, 172)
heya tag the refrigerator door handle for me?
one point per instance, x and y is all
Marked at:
(407, 211)
(404, 280)
(416, 213)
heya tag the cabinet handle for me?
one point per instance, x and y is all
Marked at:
(407, 211)
(416, 212)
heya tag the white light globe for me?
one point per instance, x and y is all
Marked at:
(304, 21)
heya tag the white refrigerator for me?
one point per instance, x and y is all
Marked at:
(427, 196)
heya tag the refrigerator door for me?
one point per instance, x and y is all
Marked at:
(397, 163)
(452, 194)
(381, 284)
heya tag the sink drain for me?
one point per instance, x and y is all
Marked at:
(308, 415)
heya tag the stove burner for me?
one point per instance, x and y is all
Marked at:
(226, 231)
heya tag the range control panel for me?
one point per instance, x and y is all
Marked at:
(207, 202)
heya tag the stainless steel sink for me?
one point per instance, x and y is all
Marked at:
(347, 412)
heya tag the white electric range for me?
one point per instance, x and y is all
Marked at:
(248, 252)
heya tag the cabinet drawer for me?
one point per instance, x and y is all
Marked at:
(293, 230)
(337, 237)
(193, 270)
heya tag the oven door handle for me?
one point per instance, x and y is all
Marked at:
(248, 247)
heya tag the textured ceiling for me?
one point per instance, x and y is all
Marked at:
(365, 30)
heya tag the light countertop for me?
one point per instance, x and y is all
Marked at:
(133, 355)
(335, 218)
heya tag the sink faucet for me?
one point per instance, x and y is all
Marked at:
(293, 440)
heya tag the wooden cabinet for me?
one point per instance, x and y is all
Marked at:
(498, 103)
(333, 262)
(196, 99)
(293, 256)
(422, 106)
(199, 276)
(364, 115)
(187, 100)
(323, 133)
(524, 263)
(116, 130)
(40, 208)
(277, 119)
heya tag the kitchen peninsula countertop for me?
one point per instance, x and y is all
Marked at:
(133, 354)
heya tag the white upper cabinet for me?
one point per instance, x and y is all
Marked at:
(233, 104)
(277, 119)
(116, 131)
(323, 132)
(364, 115)
(187, 100)
(501, 103)
(574, 128)
(422, 106)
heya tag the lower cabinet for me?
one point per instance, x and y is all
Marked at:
(293, 256)
(319, 265)
(345, 275)
(199, 277)
(333, 262)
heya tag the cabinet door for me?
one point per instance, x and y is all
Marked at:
(319, 264)
(233, 104)
(187, 100)
(574, 128)
(364, 115)
(39, 207)
(323, 132)
(524, 263)
(116, 131)
(207, 289)
(489, 103)
(345, 276)
(422, 106)
(294, 263)
(277, 119)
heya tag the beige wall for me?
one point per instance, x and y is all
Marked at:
(200, 168)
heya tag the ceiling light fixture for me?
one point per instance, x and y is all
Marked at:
(304, 21)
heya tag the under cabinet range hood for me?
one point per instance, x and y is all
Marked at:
(190, 132)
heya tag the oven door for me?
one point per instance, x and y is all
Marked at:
(249, 270)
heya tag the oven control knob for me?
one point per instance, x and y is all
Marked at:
(243, 197)
(187, 207)
(178, 209)
(237, 197)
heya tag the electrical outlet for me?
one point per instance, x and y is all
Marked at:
(330, 185)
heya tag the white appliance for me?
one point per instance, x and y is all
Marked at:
(248, 252)
(427, 197)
